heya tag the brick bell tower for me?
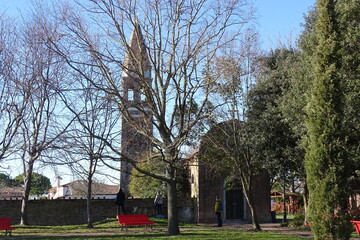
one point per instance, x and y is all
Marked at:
(137, 115)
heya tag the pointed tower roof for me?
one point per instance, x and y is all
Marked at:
(136, 54)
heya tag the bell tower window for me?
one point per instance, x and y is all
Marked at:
(143, 97)
(147, 73)
(130, 95)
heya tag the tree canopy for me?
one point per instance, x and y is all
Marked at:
(40, 184)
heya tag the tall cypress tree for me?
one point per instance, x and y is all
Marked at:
(326, 160)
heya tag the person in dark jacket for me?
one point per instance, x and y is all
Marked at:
(120, 201)
(218, 210)
(158, 201)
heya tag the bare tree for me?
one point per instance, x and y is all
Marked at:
(83, 152)
(233, 73)
(178, 38)
(40, 74)
(12, 103)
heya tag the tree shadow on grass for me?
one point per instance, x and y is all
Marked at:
(105, 237)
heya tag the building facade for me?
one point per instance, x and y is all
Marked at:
(206, 185)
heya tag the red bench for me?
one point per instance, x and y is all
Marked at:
(137, 220)
(356, 226)
(5, 225)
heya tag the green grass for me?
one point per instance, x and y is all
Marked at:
(213, 235)
(288, 216)
(110, 229)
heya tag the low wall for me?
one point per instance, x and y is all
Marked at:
(73, 211)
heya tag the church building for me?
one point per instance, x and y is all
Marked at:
(206, 186)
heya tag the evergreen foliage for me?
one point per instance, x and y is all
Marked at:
(143, 186)
(326, 160)
(5, 180)
(273, 135)
(349, 38)
(40, 184)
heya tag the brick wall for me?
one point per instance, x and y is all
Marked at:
(261, 191)
(73, 211)
(212, 185)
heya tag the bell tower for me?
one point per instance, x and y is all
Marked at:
(137, 118)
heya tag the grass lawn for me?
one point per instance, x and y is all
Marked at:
(110, 229)
(281, 216)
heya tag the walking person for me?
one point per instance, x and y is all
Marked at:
(120, 201)
(218, 210)
(158, 201)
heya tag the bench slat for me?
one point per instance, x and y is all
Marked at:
(356, 226)
(137, 223)
(5, 225)
(140, 219)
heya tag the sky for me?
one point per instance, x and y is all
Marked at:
(280, 19)
(277, 22)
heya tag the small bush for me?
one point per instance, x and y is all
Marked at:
(298, 220)
(284, 224)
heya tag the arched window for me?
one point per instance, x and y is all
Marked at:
(130, 95)
(143, 97)
(147, 74)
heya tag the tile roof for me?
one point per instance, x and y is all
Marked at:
(9, 192)
(79, 187)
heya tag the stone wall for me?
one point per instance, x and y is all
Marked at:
(73, 211)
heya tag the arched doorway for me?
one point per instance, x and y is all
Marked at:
(234, 202)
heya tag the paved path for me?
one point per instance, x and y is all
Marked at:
(275, 227)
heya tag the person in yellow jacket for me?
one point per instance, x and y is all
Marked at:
(218, 210)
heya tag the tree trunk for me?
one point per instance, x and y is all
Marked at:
(306, 199)
(173, 222)
(251, 201)
(25, 199)
(88, 205)
(284, 197)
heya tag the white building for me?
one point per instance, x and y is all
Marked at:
(78, 189)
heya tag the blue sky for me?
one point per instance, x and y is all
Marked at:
(277, 19)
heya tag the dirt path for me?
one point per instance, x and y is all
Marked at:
(288, 231)
(274, 227)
